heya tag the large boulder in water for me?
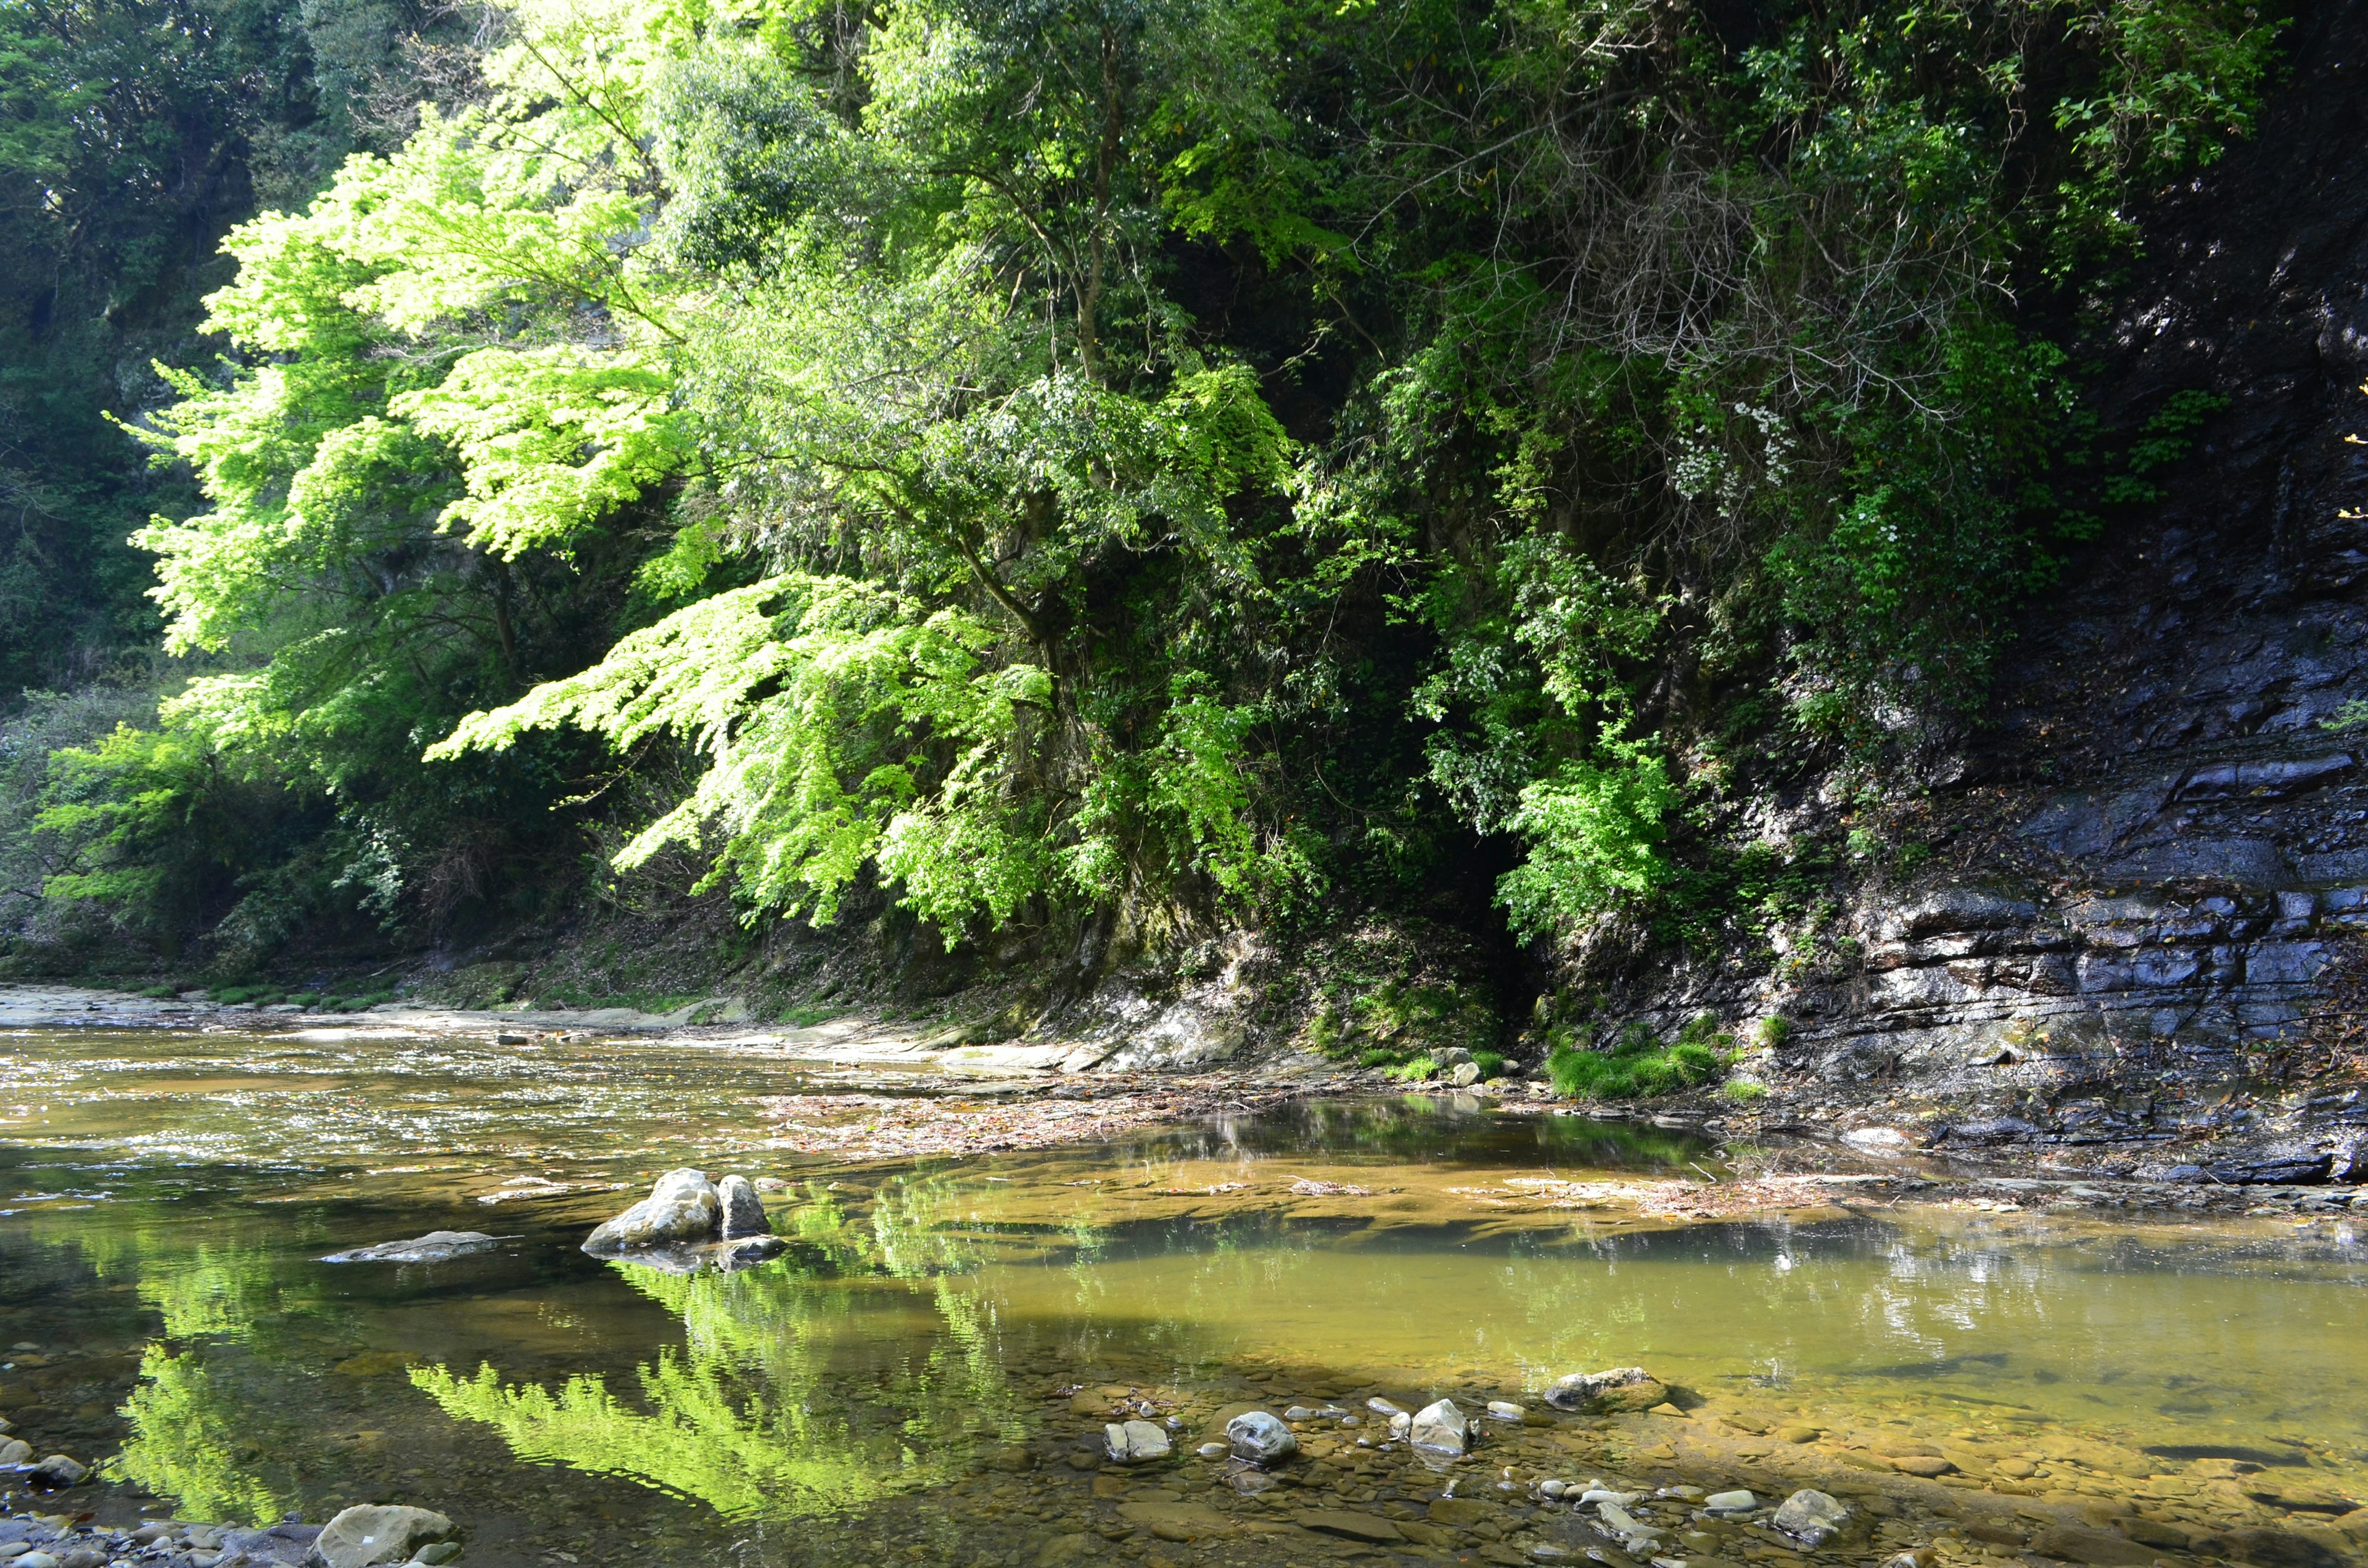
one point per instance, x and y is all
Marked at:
(743, 1214)
(683, 1207)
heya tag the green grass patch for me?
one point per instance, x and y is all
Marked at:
(1415, 1071)
(805, 1015)
(1639, 1066)
(159, 993)
(1490, 1062)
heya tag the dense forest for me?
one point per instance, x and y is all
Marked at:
(1053, 467)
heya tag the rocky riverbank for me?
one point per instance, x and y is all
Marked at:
(2052, 1130)
(365, 1535)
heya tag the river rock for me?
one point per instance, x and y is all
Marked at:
(743, 1215)
(1620, 1388)
(15, 1450)
(36, 1560)
(1506, 1410)
(370, 1534)
(1812, 1517)
(1631, 1529)
(1260, 1438)
(57, 1471)
(436, 1246)
(1366, 1527)
(682, 1206)
(1135, 1442)
(1465, 1076)
(1736, 1502)
(1442, 1426)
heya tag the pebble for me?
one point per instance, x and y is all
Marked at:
(1213, 1450)
(1506, 1410)
(1553, 1488)
(1382, 1407)
(37, 1560)
(1736, 1502)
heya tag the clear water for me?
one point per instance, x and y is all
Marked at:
(921, 1377)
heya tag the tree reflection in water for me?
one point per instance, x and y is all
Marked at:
(784, 1401)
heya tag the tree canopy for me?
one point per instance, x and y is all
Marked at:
(1192, 456)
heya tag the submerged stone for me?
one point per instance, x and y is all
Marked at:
(57, 1471)
(1811, 1517)
(436, 1246)
(1620, 1388)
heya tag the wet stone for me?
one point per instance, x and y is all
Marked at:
(1260, 1438)
(1135, 1442)
(743, 1214)
(1811, 1517)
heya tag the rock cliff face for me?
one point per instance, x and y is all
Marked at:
(2150, 866)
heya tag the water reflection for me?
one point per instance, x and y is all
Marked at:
(757, 1415)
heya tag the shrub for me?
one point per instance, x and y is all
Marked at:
(1490, 1062)
(1413, 1071)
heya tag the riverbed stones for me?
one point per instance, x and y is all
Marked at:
(372, 1534)
(16, 1451)
(1812, 1517)
(682, 1206)
(436, 1246)
(1260, 1438)
(1618, 1388)
(1736, 1502)
(743, 1214)
(1505, 1410)
(1441, 1427)
(1135, 1442)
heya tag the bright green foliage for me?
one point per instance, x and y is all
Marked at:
(1172, 461)
(1637, 1065)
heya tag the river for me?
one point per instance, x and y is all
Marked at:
(924, 1376)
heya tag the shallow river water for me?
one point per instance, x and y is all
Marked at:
(924, 1377)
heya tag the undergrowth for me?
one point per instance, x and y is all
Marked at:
(1637, 1065)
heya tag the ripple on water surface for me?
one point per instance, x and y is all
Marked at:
(929, 1365)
